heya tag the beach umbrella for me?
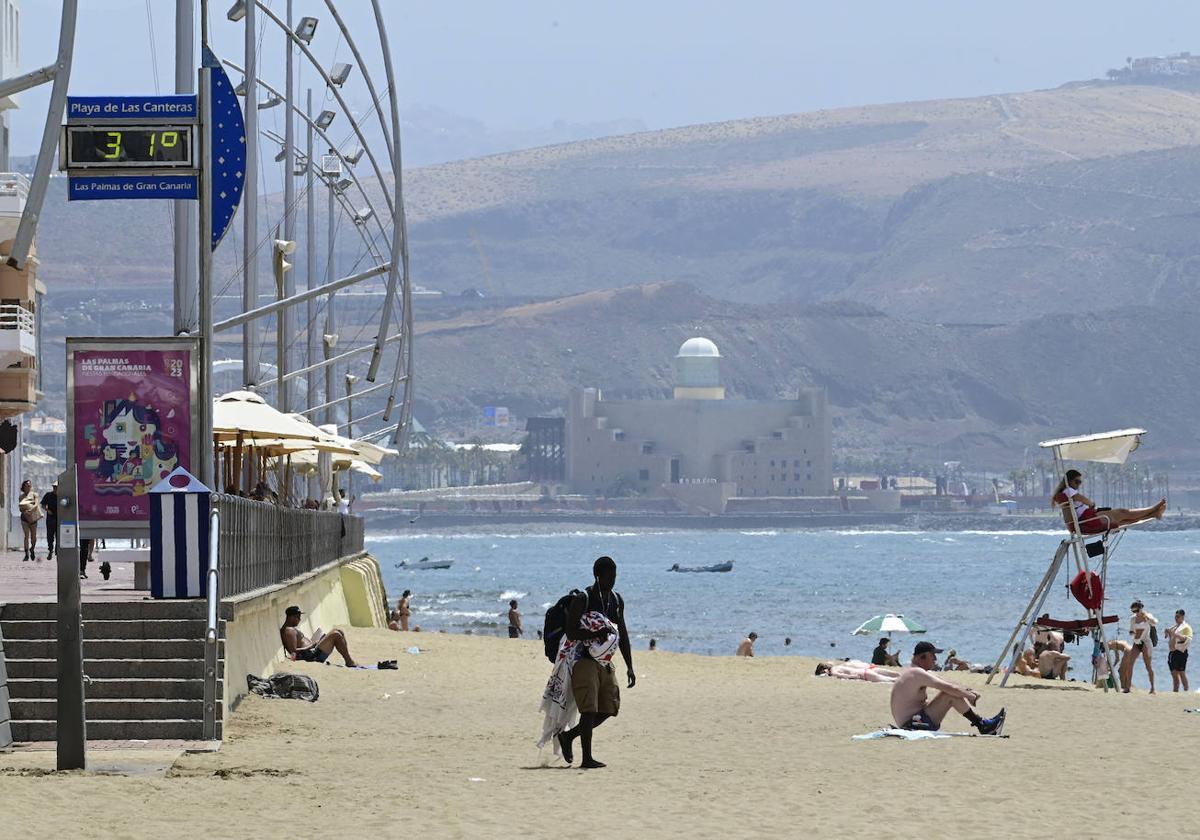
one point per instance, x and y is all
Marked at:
(889, 623)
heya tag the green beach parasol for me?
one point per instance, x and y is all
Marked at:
(889, 623)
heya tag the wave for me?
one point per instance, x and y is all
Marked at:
(759, 533)
(475, 614)
(511, 595)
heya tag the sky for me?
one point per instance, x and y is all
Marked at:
(528, 63)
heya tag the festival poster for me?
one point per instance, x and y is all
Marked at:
(132, 425)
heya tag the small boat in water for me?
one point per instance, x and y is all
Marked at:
(715, 567)
(425, 563)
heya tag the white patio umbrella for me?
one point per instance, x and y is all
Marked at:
(888, 623)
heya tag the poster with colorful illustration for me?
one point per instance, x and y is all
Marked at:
(131, 423)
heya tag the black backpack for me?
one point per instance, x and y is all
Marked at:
(556, 622)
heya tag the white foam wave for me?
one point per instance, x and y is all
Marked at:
(759, 533)
(511, 595)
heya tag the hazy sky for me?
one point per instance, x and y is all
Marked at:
(527, 63)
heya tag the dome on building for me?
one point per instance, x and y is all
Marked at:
(698, 348)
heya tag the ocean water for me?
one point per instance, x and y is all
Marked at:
(967, 588)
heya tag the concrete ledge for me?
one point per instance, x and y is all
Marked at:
(346, 592)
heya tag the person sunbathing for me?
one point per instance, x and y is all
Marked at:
(1052, 665)
(299, 647)
(913, 709)
(953, 663)
(1094, 520)
(853, 669)
(1027, 664)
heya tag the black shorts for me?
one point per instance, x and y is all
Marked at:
(1177, 660)
(312, 654)
(514, 633)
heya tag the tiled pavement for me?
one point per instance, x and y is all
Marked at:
(36, 580)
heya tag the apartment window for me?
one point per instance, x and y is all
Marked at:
(797, 477)
(648, 448)
(618, 436)
(772, 476)
(806, 463)
(777, 435)
(772, 463)
(796, 463)
(809, 476)
(643, 475)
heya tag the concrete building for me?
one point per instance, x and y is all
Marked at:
(21, 294)
(699, 438)
(10, 65)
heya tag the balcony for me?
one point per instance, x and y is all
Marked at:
(18, 335)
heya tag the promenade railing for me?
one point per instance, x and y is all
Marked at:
(262, 544)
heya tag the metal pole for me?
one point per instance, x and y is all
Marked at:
(54, 111)
(281, 385)
(330, 336)
(185, 211)
(311, 346)
(283, 319)
(399, 268)
(71, 730)
(202, 466)
(350, 380)
(298, 298)
(250, 199)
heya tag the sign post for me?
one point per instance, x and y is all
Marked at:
(71, 730)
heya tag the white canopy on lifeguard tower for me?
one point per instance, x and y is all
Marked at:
(1102, 447)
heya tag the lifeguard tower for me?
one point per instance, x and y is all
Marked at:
(1085, 549)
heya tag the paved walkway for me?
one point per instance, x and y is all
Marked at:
(36, 580)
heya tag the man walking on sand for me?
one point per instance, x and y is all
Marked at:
(514, 621)
(746, 648)
(912, 708)
(1179, 637)
(594, 682)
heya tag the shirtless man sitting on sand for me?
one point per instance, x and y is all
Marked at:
(912, 709)
(853, 669)
(301, 648)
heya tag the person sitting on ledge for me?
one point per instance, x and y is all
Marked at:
(1094, 520)
(303, 649)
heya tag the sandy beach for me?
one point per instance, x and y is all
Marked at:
(703, 747)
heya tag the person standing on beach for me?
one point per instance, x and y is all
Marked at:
(514, 621)
(594, 683)
(1139, 634)
(1179, 638)
(912, 708)
(402, 610)
(746, 648)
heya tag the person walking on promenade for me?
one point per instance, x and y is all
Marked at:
(1139, 634)
(593, 681)
(514, 621)
(50, 506)
(1179, 639)
(27, 505)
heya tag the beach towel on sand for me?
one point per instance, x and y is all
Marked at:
(917, 735)
(558, 702)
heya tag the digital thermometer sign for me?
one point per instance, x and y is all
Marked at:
(164, 146)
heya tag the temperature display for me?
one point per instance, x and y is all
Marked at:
(123, 146)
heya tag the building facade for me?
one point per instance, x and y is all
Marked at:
(763, 447)
(10, 65)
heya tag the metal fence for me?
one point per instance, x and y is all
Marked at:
(262, 544)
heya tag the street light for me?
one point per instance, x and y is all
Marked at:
(270, 102)
(240, 90)
(325, 118)
(282, 248)
(342, 185)
(306, 28)
(340, 72)
(363, 216)
(355, 156)
(237, 11)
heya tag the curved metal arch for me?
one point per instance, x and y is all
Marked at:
(337, 94)
(362, 68)
(328, 140)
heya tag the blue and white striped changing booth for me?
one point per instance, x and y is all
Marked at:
(179, 506)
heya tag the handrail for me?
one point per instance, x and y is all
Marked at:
(211, 634)
(214, 536)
